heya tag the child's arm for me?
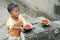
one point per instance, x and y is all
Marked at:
(16, 27)
(23, 20)
(11, 25)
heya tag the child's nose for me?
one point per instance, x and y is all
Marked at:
(17, 12)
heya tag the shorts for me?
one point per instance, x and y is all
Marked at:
(13, 38)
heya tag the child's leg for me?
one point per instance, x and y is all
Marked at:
(18, 38)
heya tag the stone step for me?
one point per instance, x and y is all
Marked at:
(3, 33)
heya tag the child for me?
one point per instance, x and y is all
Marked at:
(14, 22)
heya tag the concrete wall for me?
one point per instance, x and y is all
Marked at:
(46, 6)
(38, 8)
(42, 5)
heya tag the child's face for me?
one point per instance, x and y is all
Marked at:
(15, 12)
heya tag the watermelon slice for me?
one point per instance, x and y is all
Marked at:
(28, 26)
(45, 21)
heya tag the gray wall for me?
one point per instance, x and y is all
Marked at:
(46, 6)
(38, 8)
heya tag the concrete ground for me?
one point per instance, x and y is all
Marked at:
(3, 18)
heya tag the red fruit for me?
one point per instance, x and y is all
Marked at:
(45, 21)
(27, 26)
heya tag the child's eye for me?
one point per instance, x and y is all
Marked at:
(18, 9)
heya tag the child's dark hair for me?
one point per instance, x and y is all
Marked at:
(11, 6)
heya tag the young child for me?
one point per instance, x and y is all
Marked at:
(14, 22)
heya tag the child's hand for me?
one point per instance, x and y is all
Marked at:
(22, 29)
(18, 25)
